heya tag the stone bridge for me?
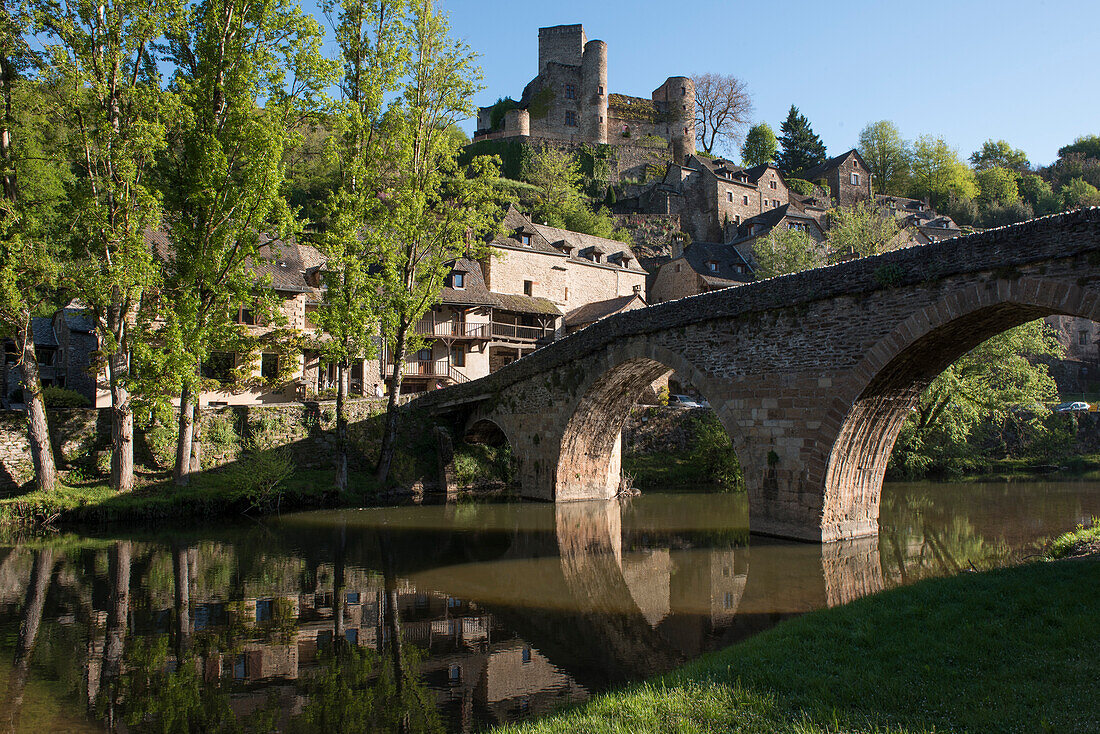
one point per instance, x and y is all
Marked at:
(811, 374)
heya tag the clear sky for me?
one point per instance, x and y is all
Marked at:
(1023, 70)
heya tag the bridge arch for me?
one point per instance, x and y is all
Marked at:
(889, 380)
(589, 461)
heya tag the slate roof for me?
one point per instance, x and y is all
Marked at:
(78, 319)
(698, 254)
(592, 312)
(819, 171)
(526, 304)
(769, 220)
(562, 242)
(475, 293)
(42, 328)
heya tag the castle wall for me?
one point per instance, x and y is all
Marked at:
(561, 44)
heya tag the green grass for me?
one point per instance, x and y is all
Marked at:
(665, 471)
(1075, 542)
(1011, 650)
(210, 495)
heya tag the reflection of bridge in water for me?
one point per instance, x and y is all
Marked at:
(518, 608)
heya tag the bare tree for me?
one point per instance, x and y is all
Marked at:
(722, 109)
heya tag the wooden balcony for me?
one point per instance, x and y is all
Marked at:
(520, 333)
(451, 329)
(438, 368)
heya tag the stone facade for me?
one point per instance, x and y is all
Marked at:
(569, 100)
(846, 175)
(812, 374)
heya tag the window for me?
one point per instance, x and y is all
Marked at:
(775, 202)
(454, 673)
(737, 219)
(570, 91)
(729, 195)
(245, 316)
(1082, 337)
(458, 355)
(570, 118)
(528, 287)
(745, 199)
(526, 240)
(600, 90)
(526, 655)
(263, 610)
(712, 266)
(458, 279)
(854, 178)
(683, 91)
(269, 366)
(352, 597)
(728, 600)
(677, 267)
(424, 355)
(219, 366)
(352, 636)
(772, 183)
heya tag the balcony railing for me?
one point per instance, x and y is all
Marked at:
(430, 368)
(518, 332)
(452, 329)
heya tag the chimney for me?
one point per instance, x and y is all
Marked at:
(677, 245)
(637, 290)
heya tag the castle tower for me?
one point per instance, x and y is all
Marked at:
(677, 98)
(561, 44)
(593, 97)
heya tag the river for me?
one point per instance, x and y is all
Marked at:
(448, 617)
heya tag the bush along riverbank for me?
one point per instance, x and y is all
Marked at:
(256, 461)
(671, 448)
(1009, 650)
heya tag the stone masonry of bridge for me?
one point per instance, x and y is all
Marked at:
(811, 374)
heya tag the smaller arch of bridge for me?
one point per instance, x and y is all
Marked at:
(589, 460)
(867, 417)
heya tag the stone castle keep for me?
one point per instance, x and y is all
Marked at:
(569, 101)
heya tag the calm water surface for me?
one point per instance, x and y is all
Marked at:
(447, 618)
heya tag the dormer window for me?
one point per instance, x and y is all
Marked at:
(525, 239)
(458, 279)
(712, 266)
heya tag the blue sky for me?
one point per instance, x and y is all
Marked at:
(1022, 70)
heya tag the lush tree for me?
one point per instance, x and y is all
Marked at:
(998, 384)
(559, 201)
(433, 207)
(760, 145)
(998, 153)
(801, 147)
(32, 180)
(1079, 193)
(996, 185)
(938, 173)
(1086, 145)
(110, 99)
(722, 108)
(861, 231)
(887, 155)
(963, 211)
(246, 76)
(1000, 214)
(373, 54)
(1038, 193)
(1075, 165)
(784, 251)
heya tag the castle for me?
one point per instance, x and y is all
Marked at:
(569, 102)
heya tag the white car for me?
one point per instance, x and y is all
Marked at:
(683, 401)
(1074, 407)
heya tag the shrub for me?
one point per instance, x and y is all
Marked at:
(60, 397)
(800, 186)
(258, 475)
(714, 452)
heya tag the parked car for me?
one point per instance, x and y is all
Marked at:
(683, 401)
(1074, 407)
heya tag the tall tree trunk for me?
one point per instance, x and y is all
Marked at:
(122, 424)
(339, 589)
(389, 436)
(117, 617)
(184, 437)
(38, 428)
(182, 571)
(28, 633)
(391, 621)
(196, 436)
(342, 379)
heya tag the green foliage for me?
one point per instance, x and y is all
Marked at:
(760, 146)
(1080, 539)
(800, 186)
(784, 251)
(938, 172)
(1086, 145)
(1037, 193)
(60, 397)
(995, 391)
(1080, 193)
(498, 110)
(478, 463)
(963, 211)
(559, 202)
(999, 154)
(861, 231)
(996, 185)
(888, 157)
(258, 474)
(801, 148)
(514, 156)
(713, 452)
(540, 103)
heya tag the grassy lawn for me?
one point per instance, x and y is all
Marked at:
(1012, 650)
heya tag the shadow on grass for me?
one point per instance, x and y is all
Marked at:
(1011, 650)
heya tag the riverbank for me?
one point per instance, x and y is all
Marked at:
(1009, 650)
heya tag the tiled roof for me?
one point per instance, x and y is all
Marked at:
(526, 304)
(592, 312)
(727, 260)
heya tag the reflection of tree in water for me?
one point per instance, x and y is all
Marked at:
(920, 538)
